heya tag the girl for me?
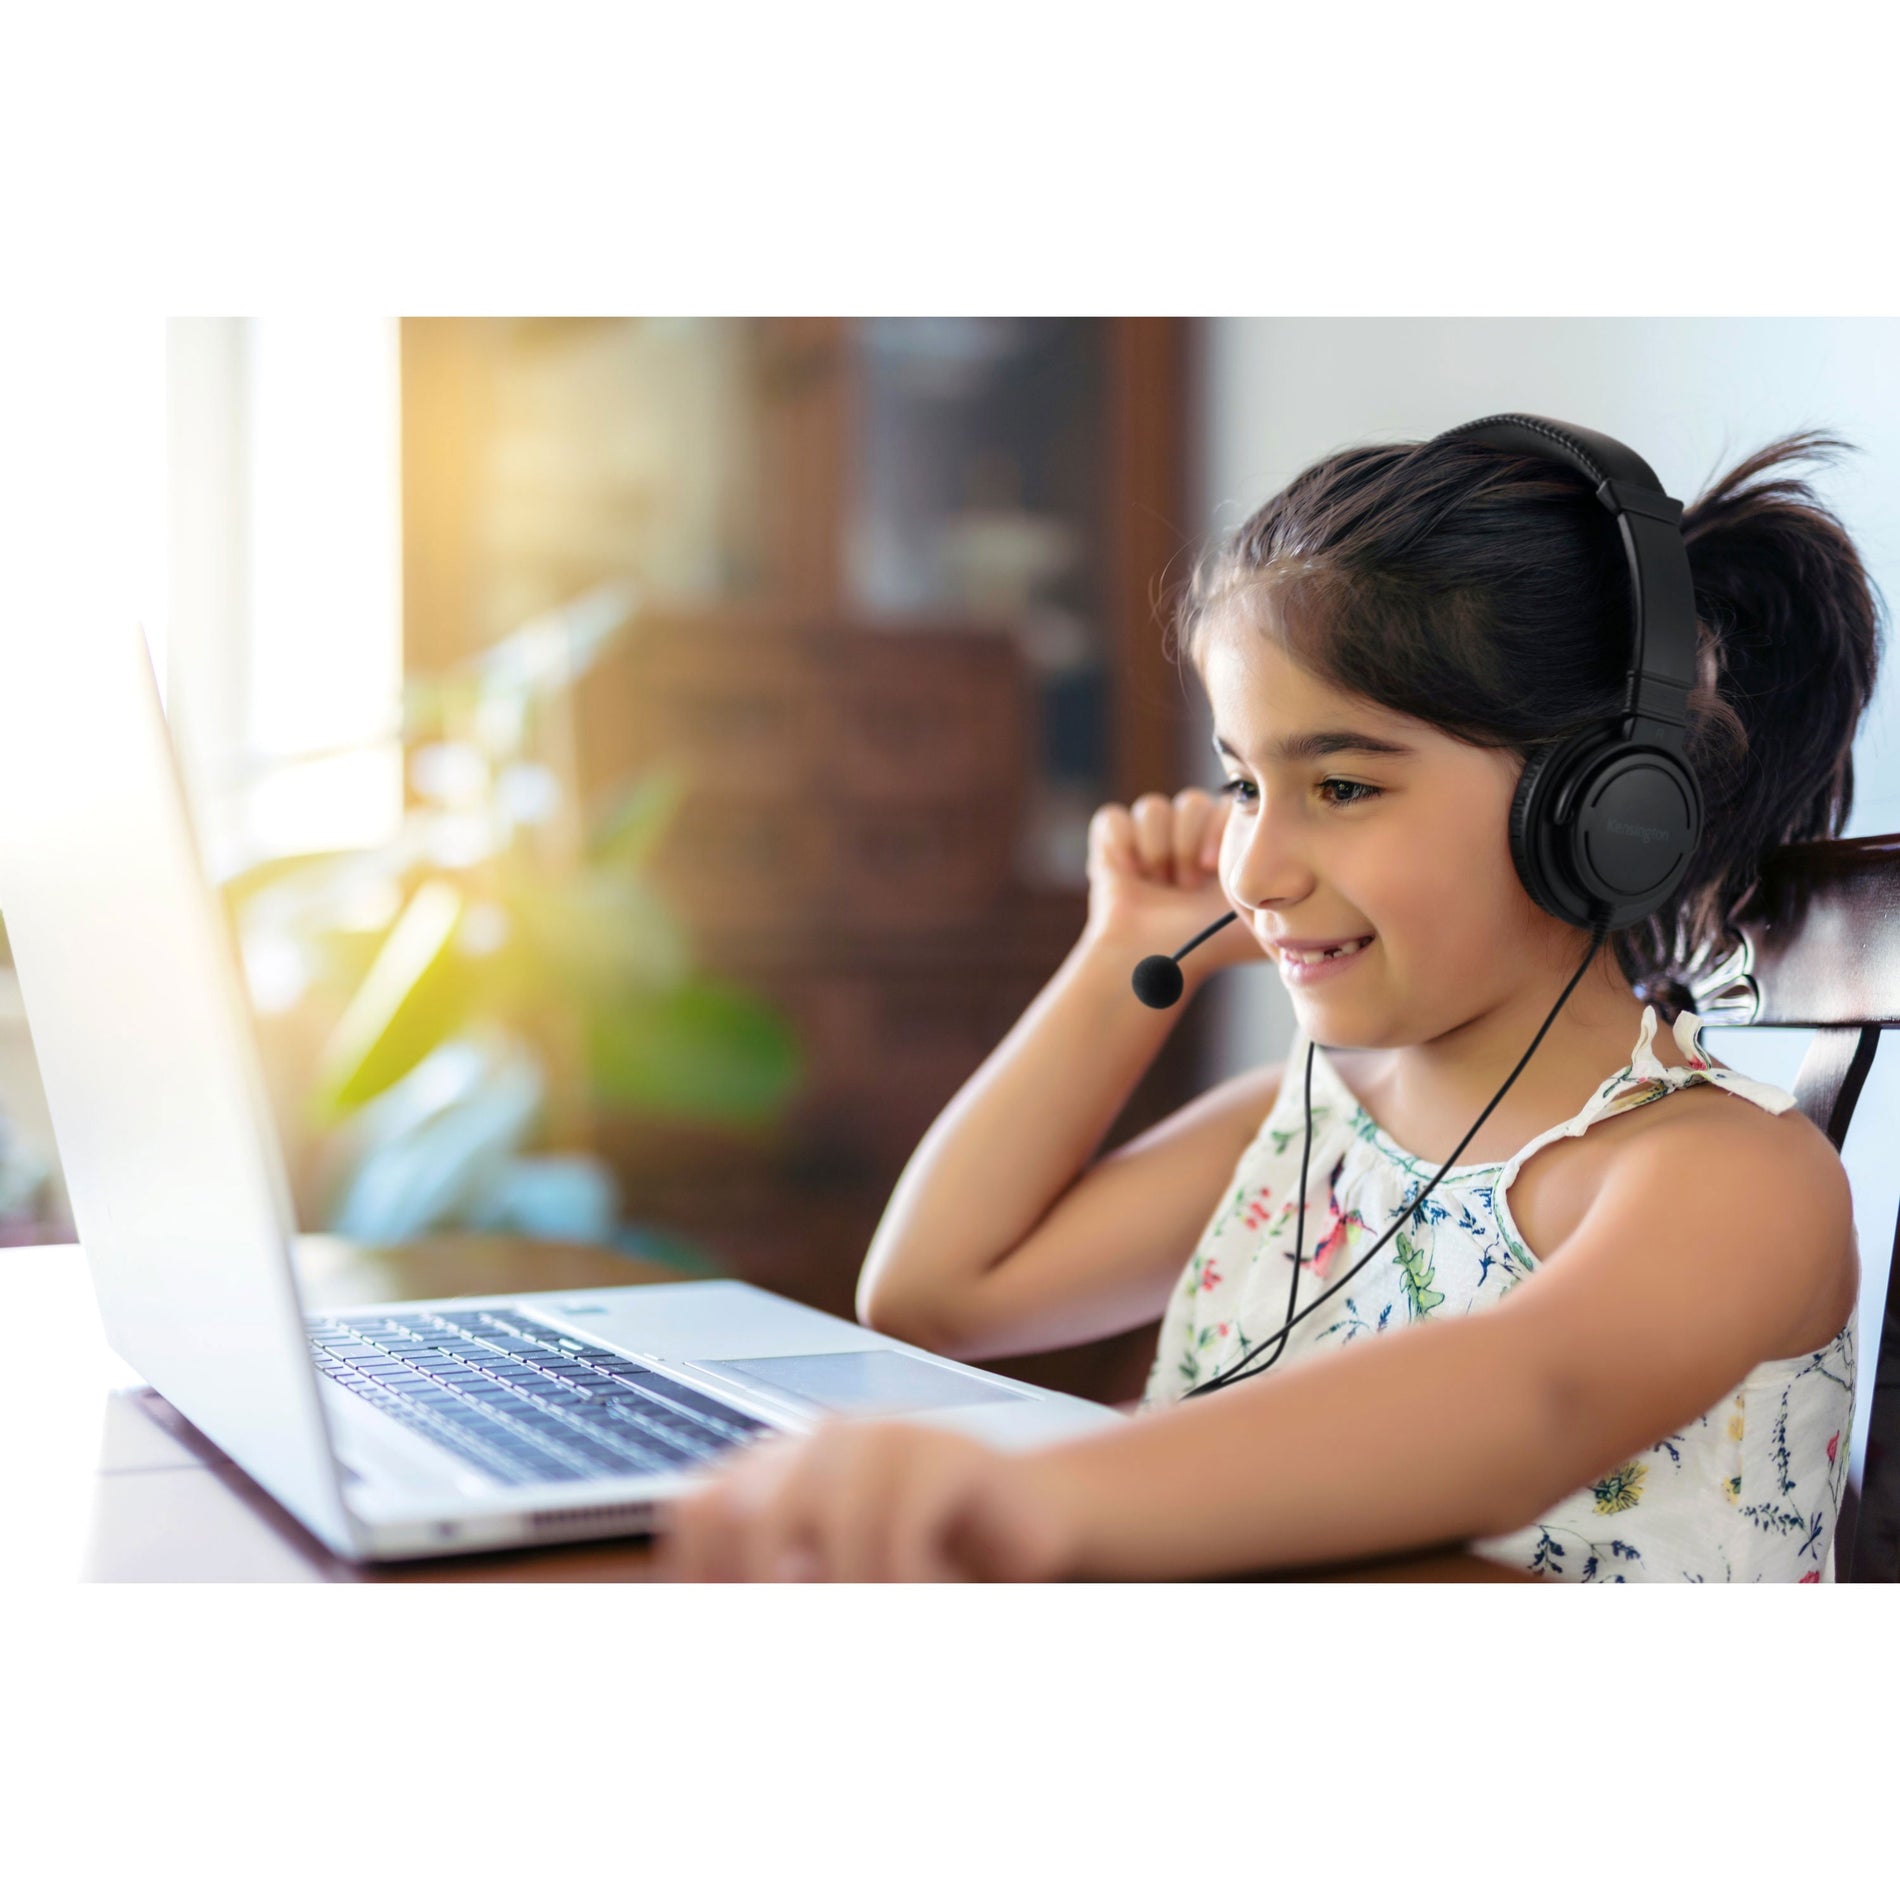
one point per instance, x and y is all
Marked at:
(1616, 1341)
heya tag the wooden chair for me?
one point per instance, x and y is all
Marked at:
(1827, 958)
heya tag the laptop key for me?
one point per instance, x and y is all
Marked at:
(524, 1402)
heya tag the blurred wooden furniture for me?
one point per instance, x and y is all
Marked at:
(119, 1488)
(1827, 958)
(892, 746)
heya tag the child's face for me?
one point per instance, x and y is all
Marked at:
(1409, 847)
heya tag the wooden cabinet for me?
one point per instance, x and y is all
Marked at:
(901, 634)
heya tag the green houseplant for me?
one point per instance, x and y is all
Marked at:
(503, 966)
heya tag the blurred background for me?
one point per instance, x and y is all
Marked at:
(647, 762)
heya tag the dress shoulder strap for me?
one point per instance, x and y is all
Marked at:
(1647, 1078)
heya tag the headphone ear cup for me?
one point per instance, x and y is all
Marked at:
(1593, 868)
(1535, 792)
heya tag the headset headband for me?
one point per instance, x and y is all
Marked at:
(1662, 594)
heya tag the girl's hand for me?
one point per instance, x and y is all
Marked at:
(1153, 878)
(867, 1500)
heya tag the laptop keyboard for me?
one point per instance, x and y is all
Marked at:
(522, 1401)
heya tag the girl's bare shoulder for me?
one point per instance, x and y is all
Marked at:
(1711, 1133)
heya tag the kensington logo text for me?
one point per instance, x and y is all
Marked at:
(1650, 834)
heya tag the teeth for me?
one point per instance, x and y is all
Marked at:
(1325, 956)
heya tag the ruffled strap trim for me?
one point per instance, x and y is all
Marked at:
(1648, 1066)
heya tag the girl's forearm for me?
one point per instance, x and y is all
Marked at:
(1015, 1137)
(1432, 1435)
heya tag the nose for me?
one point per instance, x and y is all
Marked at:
(1271, 871)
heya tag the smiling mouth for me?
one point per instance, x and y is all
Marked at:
(1325, 956)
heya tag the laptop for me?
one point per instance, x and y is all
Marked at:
(395, 1431)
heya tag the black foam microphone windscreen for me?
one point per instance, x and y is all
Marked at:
(1158, 980)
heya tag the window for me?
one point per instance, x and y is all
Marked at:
(284, 663)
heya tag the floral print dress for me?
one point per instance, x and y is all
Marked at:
(1748, 1491)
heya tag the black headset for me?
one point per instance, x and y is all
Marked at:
(1605, 822)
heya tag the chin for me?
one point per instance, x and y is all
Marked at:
(1351, 1022)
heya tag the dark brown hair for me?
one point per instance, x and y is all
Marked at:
(1486, 592)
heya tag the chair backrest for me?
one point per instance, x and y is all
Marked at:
(1828, 958)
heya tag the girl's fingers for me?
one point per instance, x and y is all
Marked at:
(867, 1478)
(795, 1535)
(861, 1501)
(1154, 835)
(786, 1506)
(815, 1514)
(916, 1536)
(778, 1540)
(1160, 839)
(874, 1474)
(705, 1533)
(1195, 816)
(701, 1538)
(1112, 840)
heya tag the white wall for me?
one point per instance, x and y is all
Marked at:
(1691, 396)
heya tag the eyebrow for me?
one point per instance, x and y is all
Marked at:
(1320, 745)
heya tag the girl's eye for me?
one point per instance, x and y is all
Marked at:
(1359, 793)
(1354, 792)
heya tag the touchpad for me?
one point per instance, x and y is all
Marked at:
(874, 1381)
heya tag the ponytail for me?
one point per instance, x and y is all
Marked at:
(1789, 637)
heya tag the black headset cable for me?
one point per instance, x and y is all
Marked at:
(1236, 1372)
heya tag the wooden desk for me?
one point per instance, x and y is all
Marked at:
(118, 1487)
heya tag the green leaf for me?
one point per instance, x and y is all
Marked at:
(417, 993)
(704, 1051)
(1419, 1293)
(603, 934)
(630, 833)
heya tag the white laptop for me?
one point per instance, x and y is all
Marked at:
(392, 1431)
